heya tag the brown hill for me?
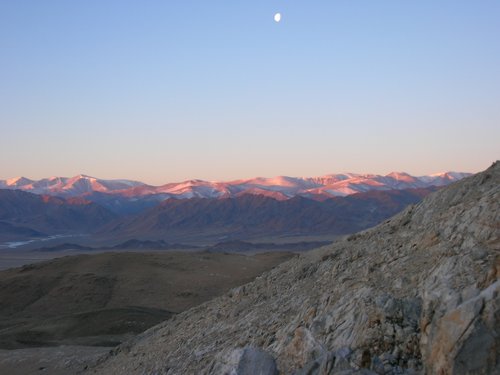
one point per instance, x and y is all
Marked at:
(104, 298)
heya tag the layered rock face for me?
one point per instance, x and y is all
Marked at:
(416, 294)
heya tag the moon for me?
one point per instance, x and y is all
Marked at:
(277, 17)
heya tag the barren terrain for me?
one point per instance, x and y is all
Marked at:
(105, 298)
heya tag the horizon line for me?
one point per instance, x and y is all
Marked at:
(355, 174)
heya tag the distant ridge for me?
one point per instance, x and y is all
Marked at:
(248, 216)
(25, 215)
(132, 244)
(198, 211)
(221, 247)
(35, 215)
(281, 187)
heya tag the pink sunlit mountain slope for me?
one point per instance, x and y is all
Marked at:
(281, 187)
(291, 206)
(64, 186)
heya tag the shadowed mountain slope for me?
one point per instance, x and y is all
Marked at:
(252, 215)
(30, 213)
(418, 293)
(197, 220)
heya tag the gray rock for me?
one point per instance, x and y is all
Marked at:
(256, 362)
(377, 365)
(244, 361)
(412, 309)
(344, 353)
(303, 348)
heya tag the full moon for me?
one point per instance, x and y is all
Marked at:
(277, 17)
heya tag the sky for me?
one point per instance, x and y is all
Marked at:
(163, 91)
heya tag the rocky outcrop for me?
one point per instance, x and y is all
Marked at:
(246, 361)
(417, 294)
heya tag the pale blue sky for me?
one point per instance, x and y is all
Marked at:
(169, 90)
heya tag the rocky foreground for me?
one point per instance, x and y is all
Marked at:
(417, 294)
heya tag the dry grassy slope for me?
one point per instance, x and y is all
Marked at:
(418, 293)
(70, 298)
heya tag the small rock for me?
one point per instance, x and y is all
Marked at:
(255, 361)
(479, 254)
(377, 365)
(303, 347)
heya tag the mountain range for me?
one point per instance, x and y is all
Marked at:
(206, 212)
(255, 216)
(281, 187)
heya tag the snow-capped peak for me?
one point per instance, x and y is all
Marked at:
(18, 181)
(281, 186)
